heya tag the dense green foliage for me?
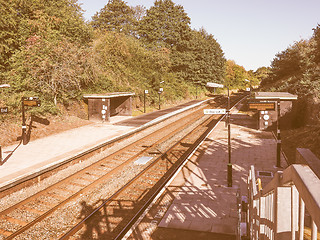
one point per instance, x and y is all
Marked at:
(297, 68)
(48, 50)
(238, 78)
(115, 16)
(206, 62)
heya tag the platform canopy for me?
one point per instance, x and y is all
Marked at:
(109, 95)
(214, 85)
(283, 96)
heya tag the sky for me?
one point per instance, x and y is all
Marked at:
(250, 32)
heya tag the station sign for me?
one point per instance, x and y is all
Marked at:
(214, 111)
(262, 106)
(4, 110)
(31, 101)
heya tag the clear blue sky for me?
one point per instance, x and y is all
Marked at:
(250, 32)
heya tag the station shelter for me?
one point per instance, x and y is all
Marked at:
(103, 106)
(271, 106)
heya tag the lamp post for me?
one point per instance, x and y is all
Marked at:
(229, 169)
(3, 86)
(24, 126)
(229, 143)
(144, 100)
(278, 135)
(249, 85)
(160, 91)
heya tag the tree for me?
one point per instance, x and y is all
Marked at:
(116, 16)
(262, 74)
(207, 60)
(8, 32)
(165, 25)
(235, 75)
(316, 37)
(53, 69)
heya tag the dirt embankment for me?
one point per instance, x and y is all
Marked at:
(10, 129)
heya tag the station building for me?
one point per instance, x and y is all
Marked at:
(271, 106)
(103, 106)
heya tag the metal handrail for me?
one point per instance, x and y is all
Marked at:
(303, 181)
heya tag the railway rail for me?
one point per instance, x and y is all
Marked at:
(100, 200)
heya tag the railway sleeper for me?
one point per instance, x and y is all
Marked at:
(47, 203)
(78, 184)
(94, 174)
(84, 178)
(15, 220)
(66, 190)
(32, 210)
(5, 232)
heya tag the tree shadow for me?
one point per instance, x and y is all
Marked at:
(33, 119)
(10, 154)
(92, 227)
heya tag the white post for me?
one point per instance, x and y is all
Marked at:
(294, 211)
(301, 222)
(314, 231)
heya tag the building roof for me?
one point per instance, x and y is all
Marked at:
(109, 95)
(275, 96)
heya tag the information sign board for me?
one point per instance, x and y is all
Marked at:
(262, 106)
(214, 111)
(31, 101)
(4, 110)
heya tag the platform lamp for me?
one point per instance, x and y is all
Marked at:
(144, 100)
(160, 91)
(250, 88)
(229, 142)
(3, 86)
(229, 168)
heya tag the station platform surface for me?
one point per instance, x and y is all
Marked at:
(201, 205)
(22, 161)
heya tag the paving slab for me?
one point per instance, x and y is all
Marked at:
(204, 202)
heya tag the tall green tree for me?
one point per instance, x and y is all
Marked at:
(316, 36)
(22, 19)
(60, 17)
(116, 16)
(207, 59)
(166, 25)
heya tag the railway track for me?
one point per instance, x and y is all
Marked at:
(99, 200)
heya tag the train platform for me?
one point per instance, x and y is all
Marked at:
(198, 204)
(24, 162)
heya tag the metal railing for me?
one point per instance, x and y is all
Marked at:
(278, 210)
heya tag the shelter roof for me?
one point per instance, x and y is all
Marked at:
(275, 96)
(214, 85)
(109, 95)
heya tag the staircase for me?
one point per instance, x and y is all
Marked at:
(288, 207)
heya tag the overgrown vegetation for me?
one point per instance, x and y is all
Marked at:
(48, 50)
(297, 70)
